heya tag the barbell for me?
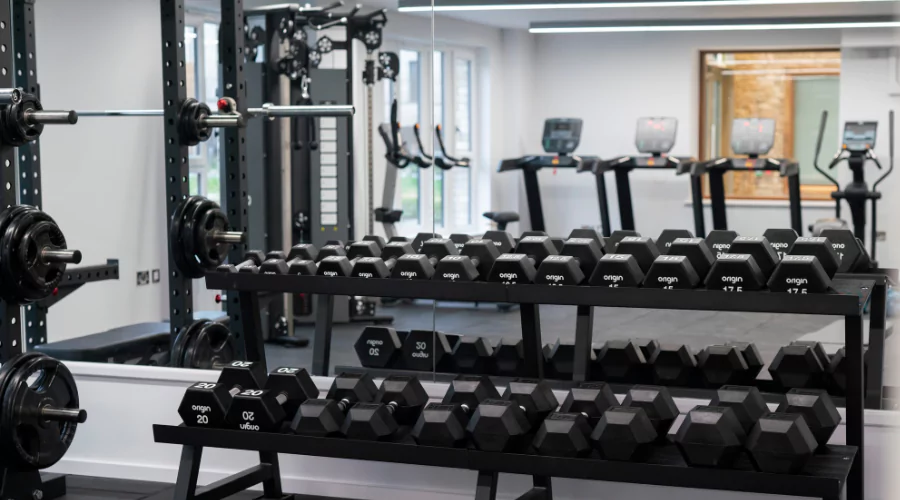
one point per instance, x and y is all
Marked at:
(267, 110)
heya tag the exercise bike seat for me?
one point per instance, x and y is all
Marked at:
(388, 215)
(116, 345)
(502, 217)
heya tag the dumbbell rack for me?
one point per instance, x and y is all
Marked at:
(824, 477)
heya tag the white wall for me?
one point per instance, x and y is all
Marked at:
(106, 446)
(103, 178)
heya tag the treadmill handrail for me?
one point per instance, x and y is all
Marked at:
(890, 150)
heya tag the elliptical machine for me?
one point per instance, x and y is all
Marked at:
(857, 148)
(398, 156)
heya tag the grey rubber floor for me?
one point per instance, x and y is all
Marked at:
(695, 328)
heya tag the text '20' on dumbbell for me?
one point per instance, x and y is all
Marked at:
(420, 266)
(444, 423)
(627, 266)
(206, 404)
(504, 424)
(266, 409)
(379, 346)
(474, 262)
(426, 350)
(398, 402)
(381, 267)
(325, 417)
(521, 267)
(575, 263)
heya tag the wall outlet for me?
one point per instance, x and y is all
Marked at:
(155, 275)
(881, 236)
(143, 278)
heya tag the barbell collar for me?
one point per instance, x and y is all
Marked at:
(10, 96)
(61, 256)
(73, 416)
(272, 111)
(33, 117)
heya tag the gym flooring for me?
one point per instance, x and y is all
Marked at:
(697, 329)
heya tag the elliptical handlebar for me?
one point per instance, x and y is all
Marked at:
(419, 141)
(459, 162)
(822, 124)
(890, 150)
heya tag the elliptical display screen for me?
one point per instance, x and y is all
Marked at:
(752, 136)
(561, 135)
(655, 135)
(859, 137)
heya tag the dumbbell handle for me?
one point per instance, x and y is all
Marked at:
(53, 256)
(246, 263)
(68, 415)
(281, 398)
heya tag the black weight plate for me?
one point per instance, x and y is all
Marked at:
(208, 253)
(176, 246)
(39, 278)
(30, 440)
(7, 280)
(11, 365)
(181, 341)
(188, 236)
(9, 251)
(212, 345)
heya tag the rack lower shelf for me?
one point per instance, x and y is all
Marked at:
(848, 298)
(823, 477)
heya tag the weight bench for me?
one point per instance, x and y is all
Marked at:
(142, 344)
(502, 218)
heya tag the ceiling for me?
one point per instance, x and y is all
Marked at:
(522, 18)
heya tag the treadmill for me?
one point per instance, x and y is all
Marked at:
(752, 137)
(655, 137)
(561, 138)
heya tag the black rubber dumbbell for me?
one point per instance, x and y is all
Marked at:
(474, 262)
(421, 265)
(837, 371)
(801, 364)
(342, 265)
(560, 359)
(421, 238)
(617, 270)
(501, 239)
(398, 403)
(613, 241)
(302, 259)
(473, 355)
(325, 417)
(851, 254)
(586, 232)
(657, 403)
(782, 240)
(566, 432)
(426, 350)
(266, 409)
(746, 267)
(250, 264)
(275, 263)
(381, 267)
(668, 236)
(206, 404)
(731, 363)
(719, 241)
(521, 267)
(444, 423)
(575, 262)
(685, 265)
(807, 269)
(379, 347)
(505, 424)
(624, 434)
(642, 248)
(509, 358)
(331, 249)
(459, 240)
(620, 361)
(674, 365)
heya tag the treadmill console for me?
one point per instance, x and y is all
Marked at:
(656, 135)
(752, 136)
(859, 137)
(561, 135)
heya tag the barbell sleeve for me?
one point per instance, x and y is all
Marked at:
(74, 416)
(233, 237)
(10, 96)
(121, 112)
(62, 256)
(33, 117)
(223, 121)
(272, 111)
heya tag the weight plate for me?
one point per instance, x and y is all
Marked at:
(188, 238)
(211, 346)
(30, 440)
(208, 253)
(11, 365)
(13, 266)
(176, 246)
(39, 278)
(181, 341)
(6, 288)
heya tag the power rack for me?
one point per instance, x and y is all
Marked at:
(825, 478)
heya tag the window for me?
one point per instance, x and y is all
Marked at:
(438, 97)
(408, 114)
(793, 88)
(460, 182)
(202, 68)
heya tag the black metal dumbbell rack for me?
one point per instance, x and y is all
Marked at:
(824, 478)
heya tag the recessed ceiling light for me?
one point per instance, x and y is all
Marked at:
(475, 5)
(716, 25)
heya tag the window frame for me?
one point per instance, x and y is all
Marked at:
(199, 160)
